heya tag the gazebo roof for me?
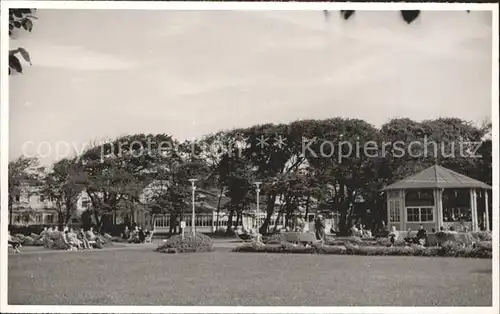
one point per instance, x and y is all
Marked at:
(437, 177)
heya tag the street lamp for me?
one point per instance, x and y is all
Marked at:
(193, 188)
(257, 212)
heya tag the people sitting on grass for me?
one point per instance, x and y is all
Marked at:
(83, 239)
(300, 223)
(138, 235)
(126, 233)
(90, 234)
(73, 241)
(409, 239)
(355, 232)
(134, 235)
(366, 232)
(15, 244)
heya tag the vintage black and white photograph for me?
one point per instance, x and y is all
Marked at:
(251, 157)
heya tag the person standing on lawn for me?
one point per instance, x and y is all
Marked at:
(422, 235)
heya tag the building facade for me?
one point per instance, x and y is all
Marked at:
(31, 208)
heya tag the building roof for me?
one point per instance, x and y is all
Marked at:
(437, 177)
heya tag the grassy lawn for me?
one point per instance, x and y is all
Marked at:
(144, 277)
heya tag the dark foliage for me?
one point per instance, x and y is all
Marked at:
(21, 19)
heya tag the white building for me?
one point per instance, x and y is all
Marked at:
(32, 208)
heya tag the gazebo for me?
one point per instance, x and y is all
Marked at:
(438, 198)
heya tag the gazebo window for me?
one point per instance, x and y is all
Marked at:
(456, 205)
(417, 198)
(420, 214)
(394, 210)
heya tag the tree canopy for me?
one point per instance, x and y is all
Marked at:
(303, 165)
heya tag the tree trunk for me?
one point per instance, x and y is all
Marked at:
(271, 199)
(60, 219)
(230, 222)
(218, 208)
(173, 224)
(181, 218)
(307, 209)
(278, 219)
(98, 222)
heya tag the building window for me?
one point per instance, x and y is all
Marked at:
(74, 220)
(426, 214)
(420, 214)
(394, 210)
(49, 218)
(417, 198)
(38, 218)
(42, 198)
(457, 214)
(18, 198)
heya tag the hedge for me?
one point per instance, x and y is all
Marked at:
(450, 249)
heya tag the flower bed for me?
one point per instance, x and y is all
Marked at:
(450, 249)
(178, 244)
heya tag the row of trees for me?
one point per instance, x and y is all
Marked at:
(296, 170)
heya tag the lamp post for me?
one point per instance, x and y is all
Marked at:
(193, 188)
(257, 212)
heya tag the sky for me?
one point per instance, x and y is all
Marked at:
(98, 74)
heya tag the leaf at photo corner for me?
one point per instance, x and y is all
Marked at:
(17, 12)
(27, 24)
(346, 14)
(15, 64)
(25, 54)
(410, 15)
(17, 24)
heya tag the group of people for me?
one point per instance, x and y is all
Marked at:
(137, 235)
(73, 239)
(420, 238)
(360, 230)
(69, 238)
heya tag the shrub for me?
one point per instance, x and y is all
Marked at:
(482, 235)
(29, 241)
(177, 244)
(102, 241)
(284, 247)
(20, 237)
(332, 249)
(275, 238)
(481, 250)
(387, 242)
